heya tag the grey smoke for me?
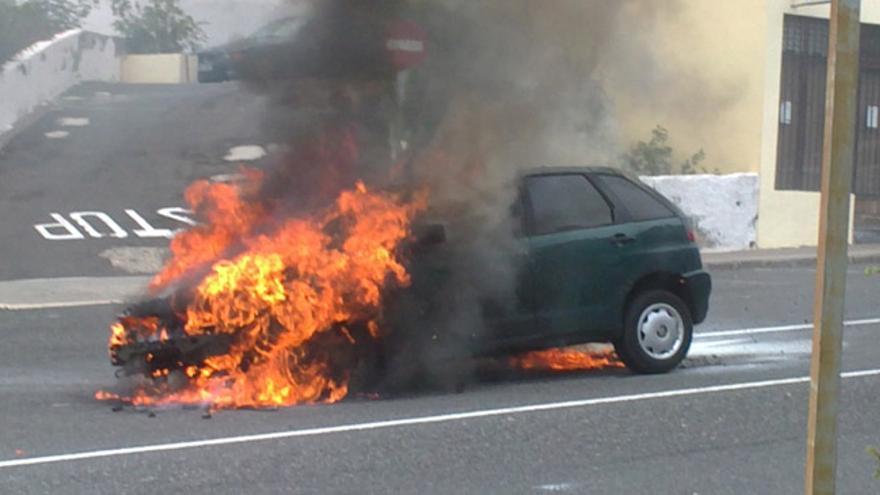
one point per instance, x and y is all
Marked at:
(508, 85)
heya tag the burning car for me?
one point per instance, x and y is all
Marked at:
(395, 237)
(255, 312)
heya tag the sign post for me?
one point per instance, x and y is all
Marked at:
(837, 173)
(406, 45)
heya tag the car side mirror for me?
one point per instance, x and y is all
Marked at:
(430, 234)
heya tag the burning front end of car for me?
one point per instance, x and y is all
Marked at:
(279, 292)
(143, 343)
(262, 309)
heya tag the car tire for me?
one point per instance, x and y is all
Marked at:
(657, 332)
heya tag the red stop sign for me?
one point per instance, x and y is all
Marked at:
(406, 43)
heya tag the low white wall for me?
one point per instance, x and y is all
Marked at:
(724, 208)
(48, 68)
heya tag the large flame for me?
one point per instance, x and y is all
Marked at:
(285, 291)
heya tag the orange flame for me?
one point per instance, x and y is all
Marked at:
(566, 360)
(277, 288)
(227, 217)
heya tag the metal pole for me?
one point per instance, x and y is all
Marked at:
(837, 172)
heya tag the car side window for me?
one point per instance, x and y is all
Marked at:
(637, 203)
(565, 202)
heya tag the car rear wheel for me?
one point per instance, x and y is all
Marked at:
(657, 332)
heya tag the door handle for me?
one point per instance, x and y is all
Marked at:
(621, 239)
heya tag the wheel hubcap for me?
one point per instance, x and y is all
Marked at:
(661, 331)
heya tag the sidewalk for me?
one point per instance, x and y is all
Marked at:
(69, 292)
(858, 253)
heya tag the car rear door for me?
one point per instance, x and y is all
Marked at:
(570, 225)
(652, 235)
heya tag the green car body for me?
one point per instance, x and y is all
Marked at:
(579, 283)
(584, 278)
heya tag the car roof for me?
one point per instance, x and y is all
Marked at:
(538, 171)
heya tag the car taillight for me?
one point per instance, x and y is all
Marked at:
(691, 236)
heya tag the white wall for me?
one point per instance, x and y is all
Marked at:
(724, 208)
(48, 68)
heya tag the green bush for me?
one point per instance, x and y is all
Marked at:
(655, 157)
(156, 26)
(876, 455)
(25, 24)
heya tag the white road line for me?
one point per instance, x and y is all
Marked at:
(782, 328)
(73, 121)
(54, 305)
(57, 134)
(245, 153)
(726, 342)
(420, 420)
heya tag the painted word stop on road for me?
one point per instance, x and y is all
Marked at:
(78, 225)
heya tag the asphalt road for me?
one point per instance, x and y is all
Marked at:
(128, 148)
(732, 420)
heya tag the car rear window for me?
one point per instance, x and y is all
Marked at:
(565, 202)
(638, 204)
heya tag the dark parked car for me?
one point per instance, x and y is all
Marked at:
(600, 258)
(219, 63)
(303, 47)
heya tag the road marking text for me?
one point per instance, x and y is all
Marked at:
(99, 225)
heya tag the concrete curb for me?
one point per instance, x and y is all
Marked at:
(70, 292)
(781, 261)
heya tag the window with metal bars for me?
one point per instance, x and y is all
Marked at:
(802, 107)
